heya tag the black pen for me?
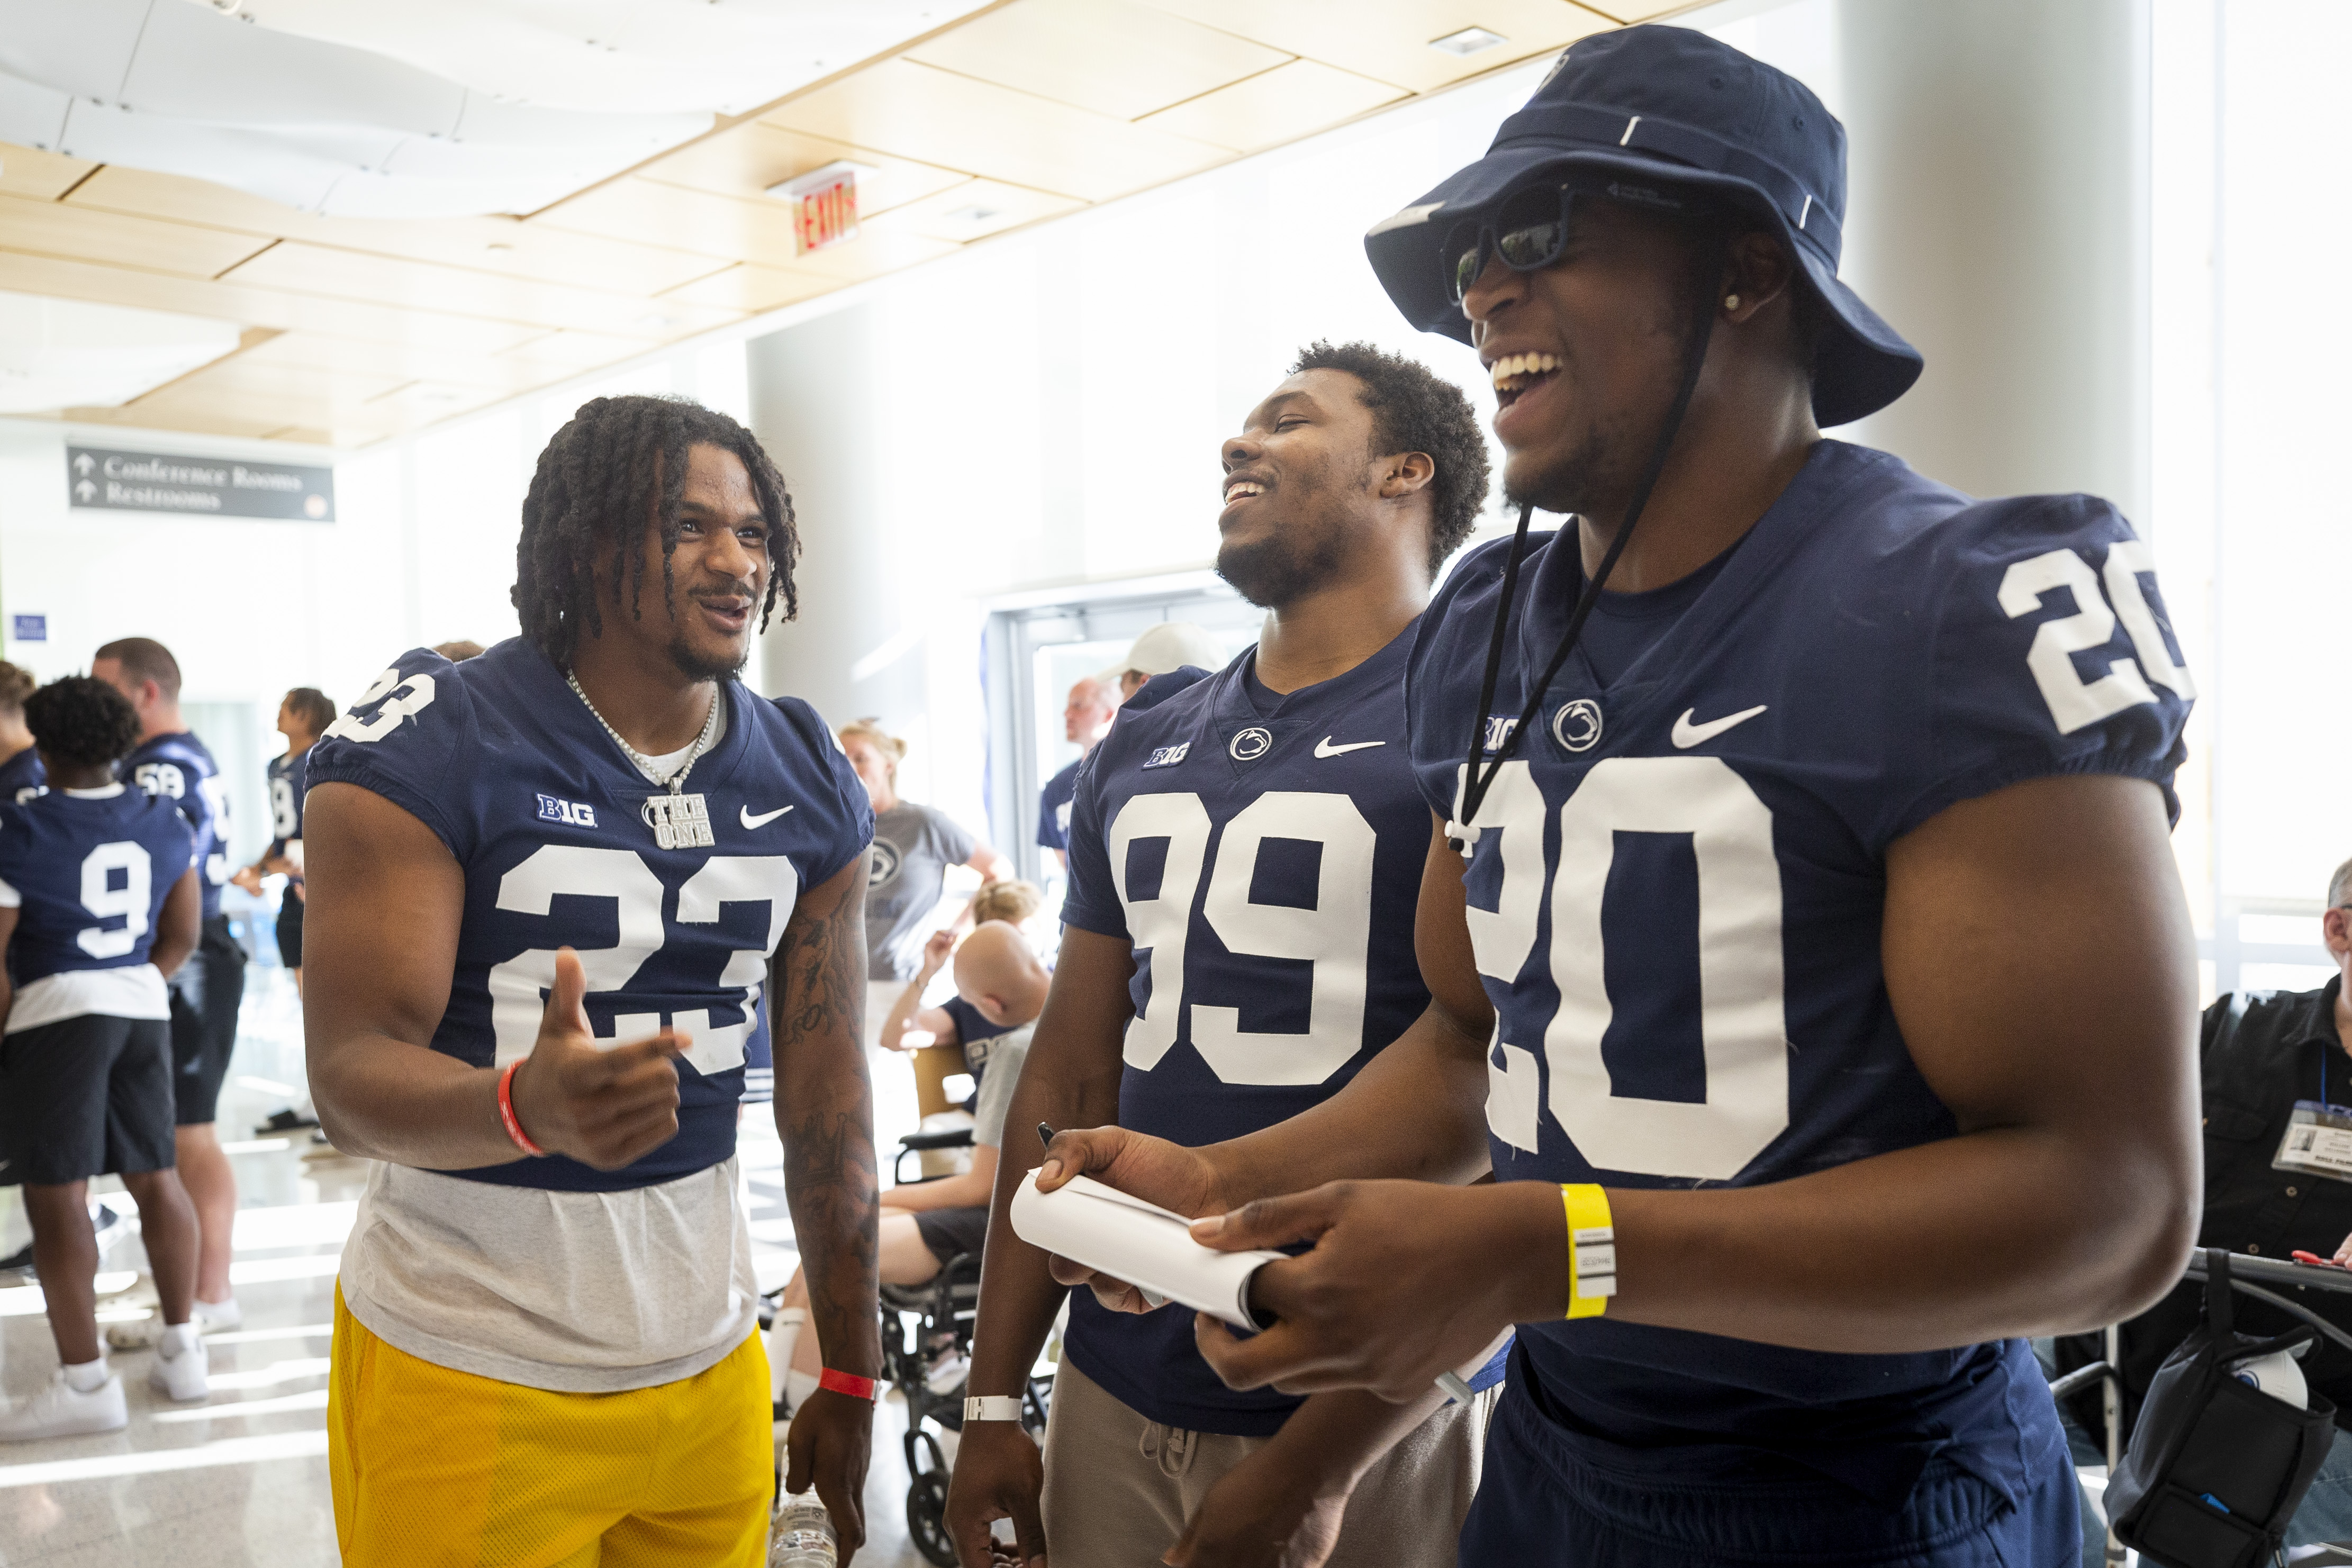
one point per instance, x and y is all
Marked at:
(1045, 1134)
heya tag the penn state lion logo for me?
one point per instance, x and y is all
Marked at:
(883, 868)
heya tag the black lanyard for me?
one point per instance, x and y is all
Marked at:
(1475, 783)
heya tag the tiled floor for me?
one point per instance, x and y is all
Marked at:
(242, 1478)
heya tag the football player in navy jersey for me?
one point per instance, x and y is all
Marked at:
(550, 887)
(209, 988)
(20, 760)
(98, 903)
(1223, 967)
(303, 717)
(1818, 983)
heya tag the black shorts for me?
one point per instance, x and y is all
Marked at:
(86, 1096)
(205, 996)
(950, 1232)
(290, 930)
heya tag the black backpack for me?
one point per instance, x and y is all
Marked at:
(2216, 1466)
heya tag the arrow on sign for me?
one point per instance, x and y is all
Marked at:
(84, 465)
(85, 489)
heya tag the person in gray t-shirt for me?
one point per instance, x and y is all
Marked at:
(913, 847)
(925, 1225)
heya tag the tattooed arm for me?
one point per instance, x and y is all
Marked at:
(825, 1111)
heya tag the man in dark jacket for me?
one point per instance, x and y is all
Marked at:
(2266, 1054)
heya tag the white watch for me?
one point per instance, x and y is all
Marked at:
(992, 1407)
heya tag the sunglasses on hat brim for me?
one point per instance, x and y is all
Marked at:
(1530, 229)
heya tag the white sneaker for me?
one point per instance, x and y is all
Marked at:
(60, 1410)
(180, 1370)
(142, 1334)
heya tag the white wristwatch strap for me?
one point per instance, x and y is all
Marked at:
(992, 1407)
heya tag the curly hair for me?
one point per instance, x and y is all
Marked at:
(1008, 900)
(1413, 410)
(81, 720)
(873, 733)
(16, 683)
(589, 498)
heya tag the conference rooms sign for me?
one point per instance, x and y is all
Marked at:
(104, 481)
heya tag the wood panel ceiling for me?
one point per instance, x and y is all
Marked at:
(357, 329)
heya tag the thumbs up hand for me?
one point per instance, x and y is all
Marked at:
(603, 1108)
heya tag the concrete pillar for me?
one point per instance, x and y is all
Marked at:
(1998, 217)
(812, 406)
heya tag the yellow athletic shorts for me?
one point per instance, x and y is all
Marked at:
(436, 1469)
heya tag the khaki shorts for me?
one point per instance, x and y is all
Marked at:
(1119, 1487)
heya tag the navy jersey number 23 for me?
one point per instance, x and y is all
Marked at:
(552, 827)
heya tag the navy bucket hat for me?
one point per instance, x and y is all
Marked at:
(1667, 106)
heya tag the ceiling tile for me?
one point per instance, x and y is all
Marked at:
(569, 353)
(1388, 39)
(507, 246)
(1108, 56)
(396, 363)
(747, 160)
(52, 228)
(196, 414)
(971, 211)
(44, 176)
(241, 377)
(875, 250)
(747, 286)
(319, 269)
(728, 228)
(1645, 10)
(938, 116)
(1282, 105)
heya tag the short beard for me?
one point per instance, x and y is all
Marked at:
(1281, 570)
(695, 667)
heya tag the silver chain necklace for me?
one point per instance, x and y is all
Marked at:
(679, 820)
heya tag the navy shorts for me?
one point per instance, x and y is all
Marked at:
(88, 1095)
(1539, 1501)
(205, 996)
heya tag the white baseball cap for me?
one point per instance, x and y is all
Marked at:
(1167, 647)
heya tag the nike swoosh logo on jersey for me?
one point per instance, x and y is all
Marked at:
(1688, 735)
(763, 819)
(1324, 748)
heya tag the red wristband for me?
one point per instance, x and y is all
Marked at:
(506, 1110)
(843, 1383)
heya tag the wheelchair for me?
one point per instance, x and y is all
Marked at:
(925, 1327)
(2251, 1277)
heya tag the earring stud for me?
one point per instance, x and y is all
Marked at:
(1731, 302)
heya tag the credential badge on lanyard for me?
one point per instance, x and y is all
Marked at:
(2318, 1142)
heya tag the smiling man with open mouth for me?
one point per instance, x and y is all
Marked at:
(546, 888)
(1809, 964)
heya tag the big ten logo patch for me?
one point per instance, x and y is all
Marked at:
(570, 813)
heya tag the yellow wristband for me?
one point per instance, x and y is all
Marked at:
(1591, 1250)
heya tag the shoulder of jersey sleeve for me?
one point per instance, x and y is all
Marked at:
(1977, 586)
(414, 762)
(849, 813)
(1160, 688)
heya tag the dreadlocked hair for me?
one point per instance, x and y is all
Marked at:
(82, 721)
(588, 500)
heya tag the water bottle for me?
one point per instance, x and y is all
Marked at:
(801, 1536)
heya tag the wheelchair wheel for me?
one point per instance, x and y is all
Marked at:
(926, 1520)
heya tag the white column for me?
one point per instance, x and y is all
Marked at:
(1998, 217)
(812, 406)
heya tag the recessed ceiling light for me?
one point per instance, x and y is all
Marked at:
(973, 214)
(1468, 41)
(498, 245)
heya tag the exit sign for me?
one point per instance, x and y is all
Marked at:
(825, 206)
